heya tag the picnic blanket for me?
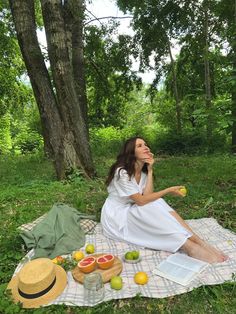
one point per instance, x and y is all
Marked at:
(157, 287)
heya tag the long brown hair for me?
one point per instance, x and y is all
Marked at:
(126, 159)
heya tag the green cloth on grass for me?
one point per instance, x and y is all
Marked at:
(57, 234)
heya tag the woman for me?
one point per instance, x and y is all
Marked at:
(133, 212)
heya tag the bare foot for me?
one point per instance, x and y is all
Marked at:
(212, 249)
(199, 252)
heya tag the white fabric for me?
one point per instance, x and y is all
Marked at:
(150, 226)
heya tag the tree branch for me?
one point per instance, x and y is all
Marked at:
(105, 17)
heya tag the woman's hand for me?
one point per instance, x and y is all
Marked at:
(175, 190)
(149, 160)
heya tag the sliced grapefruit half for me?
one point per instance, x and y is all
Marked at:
(87, 264)
(105, 261)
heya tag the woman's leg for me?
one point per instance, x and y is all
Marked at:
(195, 238)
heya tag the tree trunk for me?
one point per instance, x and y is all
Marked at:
(78, 58)
(234, 86)
(74, 13)
(64, 130)
(176, 94)
(209, 126)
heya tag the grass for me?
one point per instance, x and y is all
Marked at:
(28, 188)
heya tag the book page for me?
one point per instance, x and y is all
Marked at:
(187, 262)
(180, 268)
(175, 271)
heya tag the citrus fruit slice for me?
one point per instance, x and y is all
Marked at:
(105, 261)
(87, 264)
(141, 278)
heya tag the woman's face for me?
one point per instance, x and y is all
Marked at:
(141, 151)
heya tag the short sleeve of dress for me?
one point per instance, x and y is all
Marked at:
(123, 185)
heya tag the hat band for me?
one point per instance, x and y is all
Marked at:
(39, 294)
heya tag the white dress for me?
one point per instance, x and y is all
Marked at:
(150, 226)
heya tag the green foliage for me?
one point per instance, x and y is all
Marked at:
(106, 140)
(109, 82)
(189, 142)
(11, 64)
(5, 136)
(27, 141)
(19, 127)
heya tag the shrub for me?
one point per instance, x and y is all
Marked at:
(189, 143)
(28, 141)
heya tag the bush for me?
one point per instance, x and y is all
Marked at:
(106, 141)
(5, 136)
(28, 141)
(189, 143)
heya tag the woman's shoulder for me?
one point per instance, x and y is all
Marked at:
(121, 172)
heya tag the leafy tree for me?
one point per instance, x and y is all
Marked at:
(157, 24)
(109, 76)
(15, 95)
(198, 24)
(226, 11)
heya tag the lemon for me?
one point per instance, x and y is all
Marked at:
(141, 278)
(116, 283)
(183, 191)
(78, 255)
(90, 248)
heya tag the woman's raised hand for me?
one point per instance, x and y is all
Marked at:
(149, 160)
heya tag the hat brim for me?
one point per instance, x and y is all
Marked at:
(57, 289)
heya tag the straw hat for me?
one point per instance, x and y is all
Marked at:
(37, 283)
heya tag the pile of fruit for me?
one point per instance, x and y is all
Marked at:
(87, 264)
(132, 255)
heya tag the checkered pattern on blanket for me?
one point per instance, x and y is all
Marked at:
(157, 287)
(87, 225)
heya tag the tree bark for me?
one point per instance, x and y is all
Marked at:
(73, 17)
(64, 130)
(78, 61)
(68, 102)
(24, 19)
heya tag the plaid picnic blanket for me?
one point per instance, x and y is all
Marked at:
(157, 287)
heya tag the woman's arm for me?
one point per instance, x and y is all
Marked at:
(143, 199)
(149, 183)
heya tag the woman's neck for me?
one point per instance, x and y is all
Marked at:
(138, 167)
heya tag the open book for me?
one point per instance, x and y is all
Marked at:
(180, 268)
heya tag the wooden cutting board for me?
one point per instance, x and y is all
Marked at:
(115, 270)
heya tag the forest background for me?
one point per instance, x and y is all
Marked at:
(66, 108)
(189, 107)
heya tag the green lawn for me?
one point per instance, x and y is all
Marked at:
(28, 188)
